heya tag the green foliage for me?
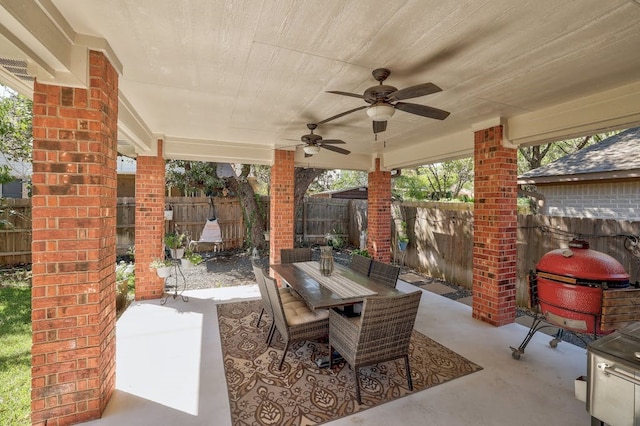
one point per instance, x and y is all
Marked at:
(335, 239)
(363, 252)
(434, 181)
(346, 179)
(125, 271)
(15, 350)
(402, 232)
(192, 257)
(410, 186)
(194, 176)
(174, 240)
(16, 141)
(263, 179)
(160, 263)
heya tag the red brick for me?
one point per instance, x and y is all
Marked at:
(494, 246)
(73, 232)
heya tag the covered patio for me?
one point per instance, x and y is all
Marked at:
(238, 82)
(170, 370)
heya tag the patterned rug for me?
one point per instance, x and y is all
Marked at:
(302, 394)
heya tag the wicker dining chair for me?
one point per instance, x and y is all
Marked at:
(360, 264)
(295, 322)
(285, 295)
(381, 333)
(384, 273)
(292, 255)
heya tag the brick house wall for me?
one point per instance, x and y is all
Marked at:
(598, 200)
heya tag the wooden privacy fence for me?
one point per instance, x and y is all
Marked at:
(441, 242)
(189, 216)
(320, 217)
(15, 242)
(440, 238)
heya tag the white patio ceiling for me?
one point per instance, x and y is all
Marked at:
(234, 80)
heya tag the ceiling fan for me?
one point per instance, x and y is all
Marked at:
(313, 142)
(380, 98)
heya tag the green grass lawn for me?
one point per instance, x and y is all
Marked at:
(15, 350)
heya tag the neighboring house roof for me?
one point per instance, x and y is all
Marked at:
(355, 192)
(617, 157)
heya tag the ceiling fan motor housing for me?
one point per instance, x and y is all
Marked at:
(311, 139)
(378, 93)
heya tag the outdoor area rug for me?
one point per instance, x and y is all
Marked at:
(303, 394)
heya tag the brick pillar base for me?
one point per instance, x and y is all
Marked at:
(379, 215)
(74, 247)
(495, 229)
(150, 197)
(281, 205)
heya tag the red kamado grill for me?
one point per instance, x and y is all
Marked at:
(579, 290)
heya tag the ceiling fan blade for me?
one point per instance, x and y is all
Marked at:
(331, 141)
(423, 110)
(379, 126)
(342, 114)
(414, 91)
(337, 92)
(336, 149)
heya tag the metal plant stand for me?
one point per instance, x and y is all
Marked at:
(177, 269)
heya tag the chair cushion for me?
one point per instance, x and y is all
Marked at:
(301, 314)
(287, 296)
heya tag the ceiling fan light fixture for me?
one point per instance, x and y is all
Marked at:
(380, 111)
(311, 149)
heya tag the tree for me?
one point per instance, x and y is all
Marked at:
(532, 157)
(214, 178)
(193, 177)
(16, 140)
(256, 222)
(435, 181)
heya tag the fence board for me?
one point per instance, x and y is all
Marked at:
(321, 216)
(191, 213)
(15, 241)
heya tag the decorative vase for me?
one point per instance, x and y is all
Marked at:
(177, 253)
(164, 272)
(326, 260)
(402, 245)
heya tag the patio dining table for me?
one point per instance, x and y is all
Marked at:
(344, 287)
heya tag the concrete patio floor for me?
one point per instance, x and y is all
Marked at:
(170, 372)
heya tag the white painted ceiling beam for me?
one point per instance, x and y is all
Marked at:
(616, 108)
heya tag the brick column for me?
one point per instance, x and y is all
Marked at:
(379, 215)
(74, 247)
(150, 197)
(495, 228)
(281, 204)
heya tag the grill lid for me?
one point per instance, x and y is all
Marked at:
(580, 262)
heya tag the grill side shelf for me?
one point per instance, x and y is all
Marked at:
(620, 307)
